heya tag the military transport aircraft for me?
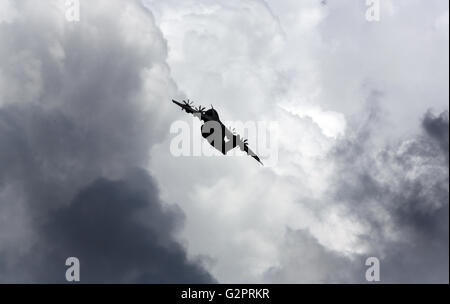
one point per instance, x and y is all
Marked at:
(212, 125)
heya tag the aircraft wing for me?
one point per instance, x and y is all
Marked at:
(197, 112)
(185, 106)
(242, 144)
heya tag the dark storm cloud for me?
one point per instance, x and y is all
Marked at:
(402, 194)
(118, 229)
(71, 127)
(438, 128)
(121, 233)
(85, 120)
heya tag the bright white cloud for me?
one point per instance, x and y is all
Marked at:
(311, 67)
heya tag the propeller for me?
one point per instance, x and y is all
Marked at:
(188, 103)
(200, 109)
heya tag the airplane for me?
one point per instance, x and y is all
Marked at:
(211, 115)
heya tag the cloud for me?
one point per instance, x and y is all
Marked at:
(80, 105)
(7, 12)
(399, 193)
(305, 260)
(334, 82)
(437, 128)
(121, 232)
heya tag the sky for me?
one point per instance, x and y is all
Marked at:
(358, 166)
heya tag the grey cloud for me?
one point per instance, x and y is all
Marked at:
(305, 260)
(121, 233)
(119, 230)
(438, 127)
(81, 104)
(326, 57)
(408, 182)
(400, 195)
(78, 109)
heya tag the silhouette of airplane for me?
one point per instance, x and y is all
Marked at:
(211, 117)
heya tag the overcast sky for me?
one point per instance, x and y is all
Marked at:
(362, 167)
